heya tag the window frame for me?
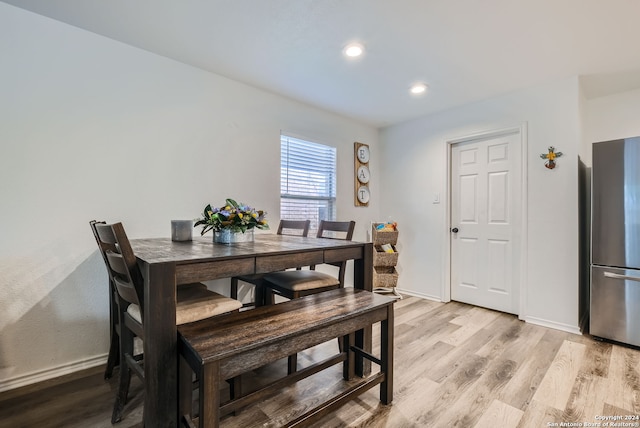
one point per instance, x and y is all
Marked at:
(292, 191)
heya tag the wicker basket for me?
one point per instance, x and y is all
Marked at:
(380, 237)
(385, 276)
(382, 258)
(384, 237)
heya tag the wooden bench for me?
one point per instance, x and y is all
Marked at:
(225, 347)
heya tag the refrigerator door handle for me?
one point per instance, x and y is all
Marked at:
(618, 276)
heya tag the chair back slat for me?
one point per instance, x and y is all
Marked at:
(294, 227)
(337, 230)
(103, 247)
(105, 235)
(328, 229)
(126, 291)
(117, 265)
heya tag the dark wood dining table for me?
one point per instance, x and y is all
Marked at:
(165, 264)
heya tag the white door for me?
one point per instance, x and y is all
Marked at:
(485, 221)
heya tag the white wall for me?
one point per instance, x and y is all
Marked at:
(92, 128)
(612, 117)
(414, 169)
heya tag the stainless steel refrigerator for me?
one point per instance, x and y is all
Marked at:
(615, 241)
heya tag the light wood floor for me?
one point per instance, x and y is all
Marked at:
(455, 366)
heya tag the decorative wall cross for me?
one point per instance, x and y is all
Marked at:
(551, 157)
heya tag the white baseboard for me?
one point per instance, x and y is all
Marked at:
(417, 294)
(555, 325)
(51, 373)
(533, 320)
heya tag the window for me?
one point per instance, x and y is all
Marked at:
(307, 180)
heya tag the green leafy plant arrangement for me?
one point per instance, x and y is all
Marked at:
(234, 216)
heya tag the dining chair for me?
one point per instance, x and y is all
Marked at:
(194, 302)
(113, 360)
(286, 227)
(293, 284)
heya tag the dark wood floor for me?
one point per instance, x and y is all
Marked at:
(456, 366)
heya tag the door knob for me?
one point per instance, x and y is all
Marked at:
(454, 230)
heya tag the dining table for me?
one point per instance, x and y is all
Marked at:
(165, 264)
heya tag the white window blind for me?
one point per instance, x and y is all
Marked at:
(307, 180)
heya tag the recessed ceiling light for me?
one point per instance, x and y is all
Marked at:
(418, 88)
(353, 50)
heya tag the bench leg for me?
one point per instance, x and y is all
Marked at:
(292, 364)
(233, 291)
(235, 391)
(349, 365)
(386, 348)
(363, 341)
(209, 395)
(259, 293)
(268, 296)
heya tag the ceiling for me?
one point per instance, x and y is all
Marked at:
(465, 50)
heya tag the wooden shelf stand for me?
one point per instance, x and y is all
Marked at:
(385, 275)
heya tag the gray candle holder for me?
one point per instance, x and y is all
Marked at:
(181, 230)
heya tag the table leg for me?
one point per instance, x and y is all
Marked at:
(386, 351)
(363, 279)
(363, 269)
(160, 346)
